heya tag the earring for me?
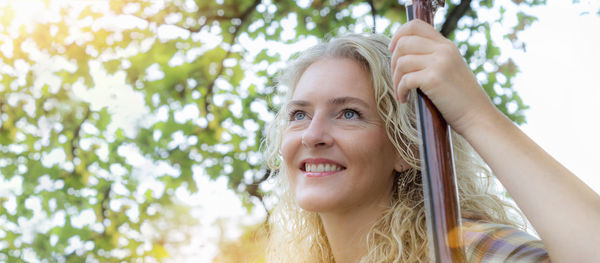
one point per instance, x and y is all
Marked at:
(403, 178)
(401, 183)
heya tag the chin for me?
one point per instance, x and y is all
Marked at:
(317, 208)
(316, 204)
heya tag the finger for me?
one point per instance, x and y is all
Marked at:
(412, 45)
(415, 27)
(409, 81)
(407, 64)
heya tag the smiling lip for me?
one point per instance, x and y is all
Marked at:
(319, 161)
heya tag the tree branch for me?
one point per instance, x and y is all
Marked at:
(236, 32)
(252, 189)
(104, 206)
(76, 135)
(243, 18)
(373, 14)
(208, 19)
(453, 16)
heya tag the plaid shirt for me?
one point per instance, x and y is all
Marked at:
(488, 242)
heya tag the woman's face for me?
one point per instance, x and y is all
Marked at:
(336, 150)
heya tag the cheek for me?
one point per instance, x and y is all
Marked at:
(373, 151)
(289, 147)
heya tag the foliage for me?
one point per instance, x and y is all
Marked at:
(84, 181)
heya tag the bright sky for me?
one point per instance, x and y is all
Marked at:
(559, 80)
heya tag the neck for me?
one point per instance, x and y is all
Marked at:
(347, 230)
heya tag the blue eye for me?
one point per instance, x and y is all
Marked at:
(298, 116)
(350, 114)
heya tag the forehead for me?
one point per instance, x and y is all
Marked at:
(335, 77)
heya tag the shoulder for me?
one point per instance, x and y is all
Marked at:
(489, 242)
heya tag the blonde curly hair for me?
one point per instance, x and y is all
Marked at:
(400, 234)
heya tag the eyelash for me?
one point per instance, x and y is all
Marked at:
(358, 114)
(293, 113)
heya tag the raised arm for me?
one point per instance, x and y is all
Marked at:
(564, 211)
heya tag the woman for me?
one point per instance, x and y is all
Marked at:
(345, 146)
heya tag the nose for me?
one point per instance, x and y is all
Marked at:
(317, 134)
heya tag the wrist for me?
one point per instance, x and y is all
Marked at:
(485, 123)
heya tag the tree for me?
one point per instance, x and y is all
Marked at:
(84, 182)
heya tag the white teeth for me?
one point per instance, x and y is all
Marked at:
(319, 168)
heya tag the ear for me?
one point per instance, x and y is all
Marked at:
(400, 165)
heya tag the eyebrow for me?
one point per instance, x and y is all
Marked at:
(336, 101)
